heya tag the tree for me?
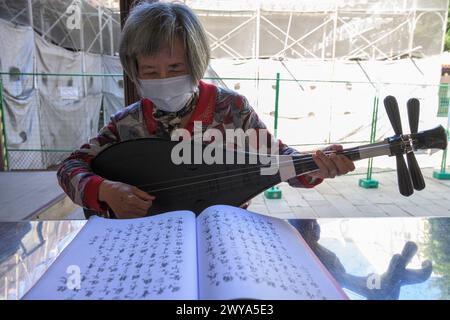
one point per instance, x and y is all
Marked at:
(437, 250)
(447, 32)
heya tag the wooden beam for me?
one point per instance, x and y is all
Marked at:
(130, 91)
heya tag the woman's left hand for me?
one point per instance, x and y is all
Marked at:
(331, 165)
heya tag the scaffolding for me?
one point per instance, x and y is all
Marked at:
(89, 26)
(341, 29)
(254, 29)
(322, 49)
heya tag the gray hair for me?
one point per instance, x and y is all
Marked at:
(151, 26)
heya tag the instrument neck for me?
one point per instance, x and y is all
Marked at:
(304, 163)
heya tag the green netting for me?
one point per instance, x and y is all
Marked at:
(327, 112)
(443, 101)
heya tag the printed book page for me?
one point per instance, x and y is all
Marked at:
(244, 255)
(145, 258)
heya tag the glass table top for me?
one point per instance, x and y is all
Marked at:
(371, 258)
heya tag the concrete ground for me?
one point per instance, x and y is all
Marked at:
(342, 197)
(23, 195)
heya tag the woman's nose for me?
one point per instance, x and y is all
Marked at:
(162, 74)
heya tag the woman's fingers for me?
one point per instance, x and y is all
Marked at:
(341, 164)
(132, 205)
(136, 204)
(347, 164)
(334, 147)
(132, 211)
(327, 168)
(139, 204)
(322, 169)
(142, 194)
(323, 164)
(332, 164)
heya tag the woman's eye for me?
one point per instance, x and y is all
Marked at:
(176, 68)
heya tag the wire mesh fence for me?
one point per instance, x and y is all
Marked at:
(46, 116)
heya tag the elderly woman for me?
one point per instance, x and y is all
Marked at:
(164, 50)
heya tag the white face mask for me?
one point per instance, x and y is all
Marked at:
(169, 94)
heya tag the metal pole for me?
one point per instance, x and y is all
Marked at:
(4, 157)
(100, 27)
(277, 96)
(30, 17)
(442, 174)
(411, 31)
(287, 32)
(275, 192)
(373, 134)
(335, 18)
(444, 159)
(324, 36)
(111, 36)
(368, 182)
(41, 16)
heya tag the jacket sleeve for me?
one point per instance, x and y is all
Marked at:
(244, 113)
(76, 177)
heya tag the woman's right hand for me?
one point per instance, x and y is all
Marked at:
(126, 201)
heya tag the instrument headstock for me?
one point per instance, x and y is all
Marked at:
(409, 176)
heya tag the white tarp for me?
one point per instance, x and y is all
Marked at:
(61, 113)
(332, 101)
(70, 105)
(19, 96)
(113, 91)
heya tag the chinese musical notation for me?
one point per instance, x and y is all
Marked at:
(136, 261)
(224, 253)
(248, 248)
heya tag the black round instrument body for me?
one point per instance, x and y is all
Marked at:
(147, 164)
(196, 183)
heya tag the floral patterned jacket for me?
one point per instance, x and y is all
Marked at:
(217, 108)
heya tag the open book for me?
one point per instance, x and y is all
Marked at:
(224, 253)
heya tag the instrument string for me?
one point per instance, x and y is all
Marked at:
(223, 186)
(300, 157)
(206, 188)
(305, 158)
(246, 171)
(243, 171)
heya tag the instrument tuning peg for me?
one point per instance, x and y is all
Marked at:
(413, 114)
(414, 169)
(403, 176)
(391, 106)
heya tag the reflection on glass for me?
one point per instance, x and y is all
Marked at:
(437, 249)
(389, 258)
(377, 258)
(28, 249)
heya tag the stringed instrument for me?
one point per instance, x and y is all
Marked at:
(147, 164)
